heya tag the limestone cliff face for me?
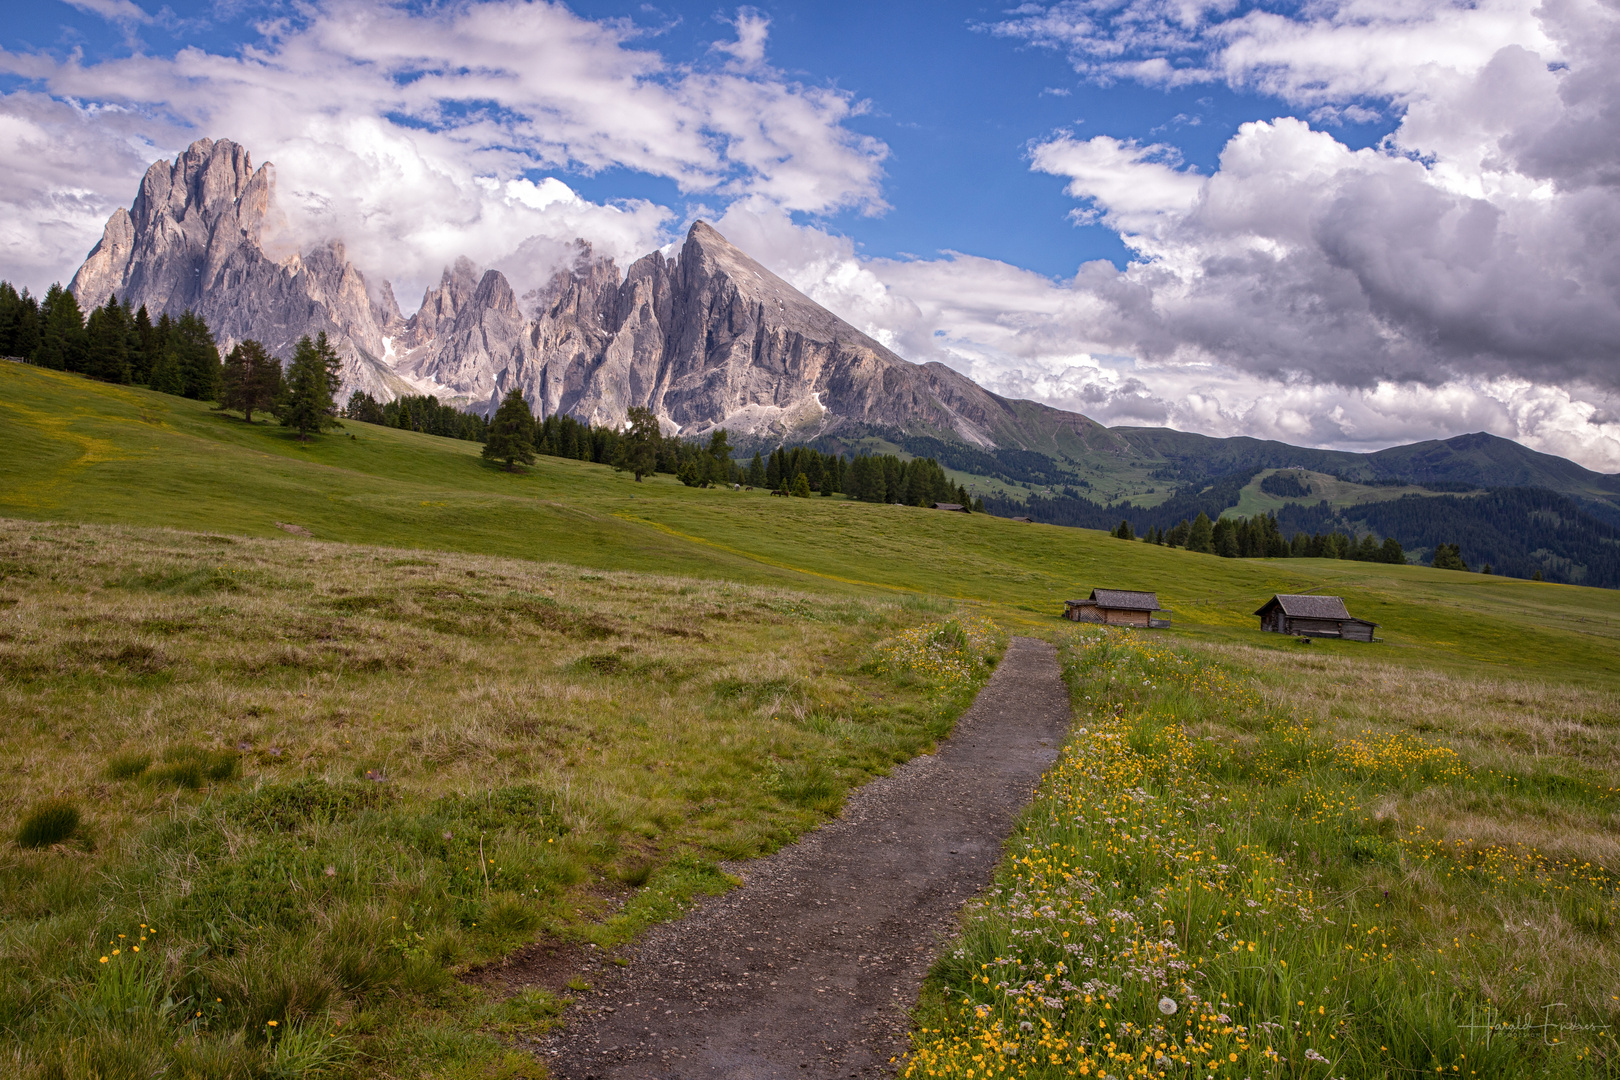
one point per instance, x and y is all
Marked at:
(709, 338)
(192, 240)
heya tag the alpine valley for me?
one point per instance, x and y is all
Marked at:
(708, 338)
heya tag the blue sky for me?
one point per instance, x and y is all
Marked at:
(956, 104)
(1348, 223)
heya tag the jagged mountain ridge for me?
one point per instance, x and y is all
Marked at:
(705, 339)
(193, 238)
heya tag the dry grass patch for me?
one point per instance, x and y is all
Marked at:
(314, 779)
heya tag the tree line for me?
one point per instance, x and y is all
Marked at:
(419, 412)
(173, 355)
(1260, 537)
(640, 448)
(114, 344)
(1520, 532)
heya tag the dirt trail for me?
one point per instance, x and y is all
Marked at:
(808, 969)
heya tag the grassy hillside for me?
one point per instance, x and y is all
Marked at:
(309, 781)
(83, 451)
(1337, 493)
(321, 775)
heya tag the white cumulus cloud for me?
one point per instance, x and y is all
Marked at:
(387, 124)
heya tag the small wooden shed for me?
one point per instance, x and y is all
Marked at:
(1119, 607)
(1313, 616)
(957, 507)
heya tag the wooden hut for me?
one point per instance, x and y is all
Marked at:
(956, 507)
(1119, 607)
(1313, 616)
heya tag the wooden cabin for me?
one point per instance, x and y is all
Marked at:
(1119, 607)
(1313, 616)
(957, 507)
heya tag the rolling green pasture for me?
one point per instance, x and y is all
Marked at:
(1340, 493)
(82, 451)
(471, 709)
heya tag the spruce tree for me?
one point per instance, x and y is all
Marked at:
(196, 357)
(756, 471)
(362, 406)
(251, 379)
(801, 486)
(313, 377)
(511, 432)
(107, 337)
(639, 444)
(145, 352)
(1449, 557)
(62, 342)
(1201, 534)
(25, 332)
(11, 305)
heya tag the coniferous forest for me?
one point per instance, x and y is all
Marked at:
(113, 344)
(1519, 532)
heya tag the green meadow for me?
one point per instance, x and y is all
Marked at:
(85, 452)
(321, 727)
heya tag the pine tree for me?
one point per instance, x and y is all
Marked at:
(1123, 531)
(756, 471)
(145, 352)
(63, 345)
(11, 313)
(801, 486)
(773, 470)
(23, 338)
(107, 343)
(251, 379)
(1200, 534)
(362, 406)
(313, 377)
(196, 357)
(639, 445)
(511, 432)
(1448, 557)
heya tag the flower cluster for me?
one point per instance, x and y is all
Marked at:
(1158, 916)
(951, 652)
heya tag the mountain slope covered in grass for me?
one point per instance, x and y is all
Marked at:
(85, 451)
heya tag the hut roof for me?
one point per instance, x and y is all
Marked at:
(1296, 606)
(947, 506)
(1125, 599)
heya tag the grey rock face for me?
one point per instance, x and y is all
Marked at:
(192, 241)
(708, 339)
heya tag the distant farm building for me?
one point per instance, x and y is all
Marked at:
(1119, 607)
(958, 507)
(1313, 616)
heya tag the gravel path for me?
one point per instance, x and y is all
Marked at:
(809, 968)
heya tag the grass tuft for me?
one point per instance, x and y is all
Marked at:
(127, 765)
(50, 822)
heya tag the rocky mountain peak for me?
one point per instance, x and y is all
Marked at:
(191, 240)
(710, 338)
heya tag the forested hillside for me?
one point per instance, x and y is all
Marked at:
(1515, 531)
